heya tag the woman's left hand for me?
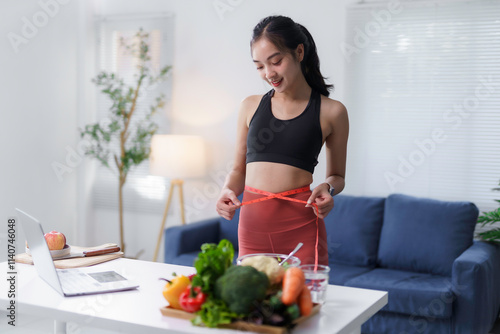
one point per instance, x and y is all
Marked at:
(323, 200)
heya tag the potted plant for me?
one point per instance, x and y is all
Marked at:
(486, 218)
(132, 134)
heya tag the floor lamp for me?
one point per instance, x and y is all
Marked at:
(176, 157)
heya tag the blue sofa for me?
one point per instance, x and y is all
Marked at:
(422, 251)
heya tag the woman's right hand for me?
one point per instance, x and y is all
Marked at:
(227, 204)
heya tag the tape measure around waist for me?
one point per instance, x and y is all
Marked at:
(284, 196)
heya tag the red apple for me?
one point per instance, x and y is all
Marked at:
(55, 240)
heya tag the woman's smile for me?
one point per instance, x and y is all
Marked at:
(276, 83)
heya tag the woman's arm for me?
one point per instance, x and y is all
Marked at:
(337, 122)
(336, 148)
(235, 180)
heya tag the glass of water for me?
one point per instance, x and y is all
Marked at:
(316, 280)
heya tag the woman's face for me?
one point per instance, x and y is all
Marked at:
(277, 68)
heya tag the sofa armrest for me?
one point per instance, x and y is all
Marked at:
(476, 284)
(189, 238)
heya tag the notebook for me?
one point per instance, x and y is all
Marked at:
(69, 282)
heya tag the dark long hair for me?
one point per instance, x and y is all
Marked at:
(286, 35)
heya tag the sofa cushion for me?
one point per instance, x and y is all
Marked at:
(425, 235)
(341, 273)
(185, 259)
(353, 229)
(390, 322)
(181, 239)
(410, 293)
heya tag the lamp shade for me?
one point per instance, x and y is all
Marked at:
(177, 156)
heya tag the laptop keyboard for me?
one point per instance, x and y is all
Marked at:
(76, 282)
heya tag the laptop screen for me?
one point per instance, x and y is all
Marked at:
(39, 250)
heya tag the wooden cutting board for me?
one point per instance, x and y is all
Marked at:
(241, 325)
(77, 261)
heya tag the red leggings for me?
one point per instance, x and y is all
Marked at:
(277, 226)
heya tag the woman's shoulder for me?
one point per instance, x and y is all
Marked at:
(332, 108)
(250, 103)
(333, 116)
(248, 107)
(252, 99)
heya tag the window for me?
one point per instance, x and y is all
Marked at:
(142, 191)
(423, 94)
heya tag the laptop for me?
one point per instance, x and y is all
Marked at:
(69, 282)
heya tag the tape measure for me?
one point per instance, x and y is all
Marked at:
(284, 196)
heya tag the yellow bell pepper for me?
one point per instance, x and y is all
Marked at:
(173, 290)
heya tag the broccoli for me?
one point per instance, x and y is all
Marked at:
(240, 287)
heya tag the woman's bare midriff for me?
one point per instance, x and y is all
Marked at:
(276, 177)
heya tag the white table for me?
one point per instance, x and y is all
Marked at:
(137, 311)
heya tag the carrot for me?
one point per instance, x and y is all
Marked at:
(293, 282)
(305, 301)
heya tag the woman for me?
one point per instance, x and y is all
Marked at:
(279, 137)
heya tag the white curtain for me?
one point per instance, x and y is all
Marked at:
(423, 95)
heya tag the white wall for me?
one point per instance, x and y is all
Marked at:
(38, 117)
(46, 96)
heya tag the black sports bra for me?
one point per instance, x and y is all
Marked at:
(295, 142)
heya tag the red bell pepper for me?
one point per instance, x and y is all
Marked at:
(191, 299)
